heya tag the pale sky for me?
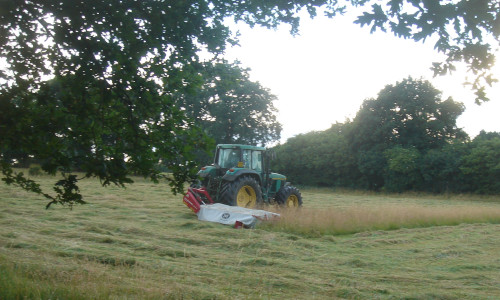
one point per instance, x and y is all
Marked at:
(323, 75)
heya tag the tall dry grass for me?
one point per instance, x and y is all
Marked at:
(317, 222)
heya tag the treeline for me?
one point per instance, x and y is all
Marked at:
(404, 140)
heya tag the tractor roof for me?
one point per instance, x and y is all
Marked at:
(246, 147)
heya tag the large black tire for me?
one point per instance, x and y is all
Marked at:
(288, 196)
(244, 191)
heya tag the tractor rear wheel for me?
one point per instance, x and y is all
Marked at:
(288, 196)
(244, 191)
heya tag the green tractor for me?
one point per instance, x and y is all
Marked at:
(240, 176)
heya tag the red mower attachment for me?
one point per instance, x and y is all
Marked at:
(196, 197)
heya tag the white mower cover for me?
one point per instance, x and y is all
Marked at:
(229, 215)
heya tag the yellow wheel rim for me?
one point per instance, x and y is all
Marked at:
(292, 201)
(246, 197)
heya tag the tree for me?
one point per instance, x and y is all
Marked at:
(402, 172)
(409, 114)
(317, 158)
(294, 159)
(371, 165)
(230, 107)
(108, 70)
(466, 30)
(482, 165)
(404, 119)
(440, 169)
(90, 84)
(483, 135)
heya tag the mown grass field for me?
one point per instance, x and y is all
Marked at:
(143, 243)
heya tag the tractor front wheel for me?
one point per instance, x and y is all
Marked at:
(288, 196)
(244, 191)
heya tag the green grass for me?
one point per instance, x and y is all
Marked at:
(143, 243)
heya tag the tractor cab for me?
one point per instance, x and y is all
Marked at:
(241, 176)
(238, 156)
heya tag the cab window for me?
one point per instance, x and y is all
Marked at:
(228, 158)
(247, 158)
(257, 160)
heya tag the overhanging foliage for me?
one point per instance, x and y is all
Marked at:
(89, 84)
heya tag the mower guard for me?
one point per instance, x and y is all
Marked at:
(200, 202)
(234, 215)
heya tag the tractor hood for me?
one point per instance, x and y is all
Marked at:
(207, 171)
(276, 176)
